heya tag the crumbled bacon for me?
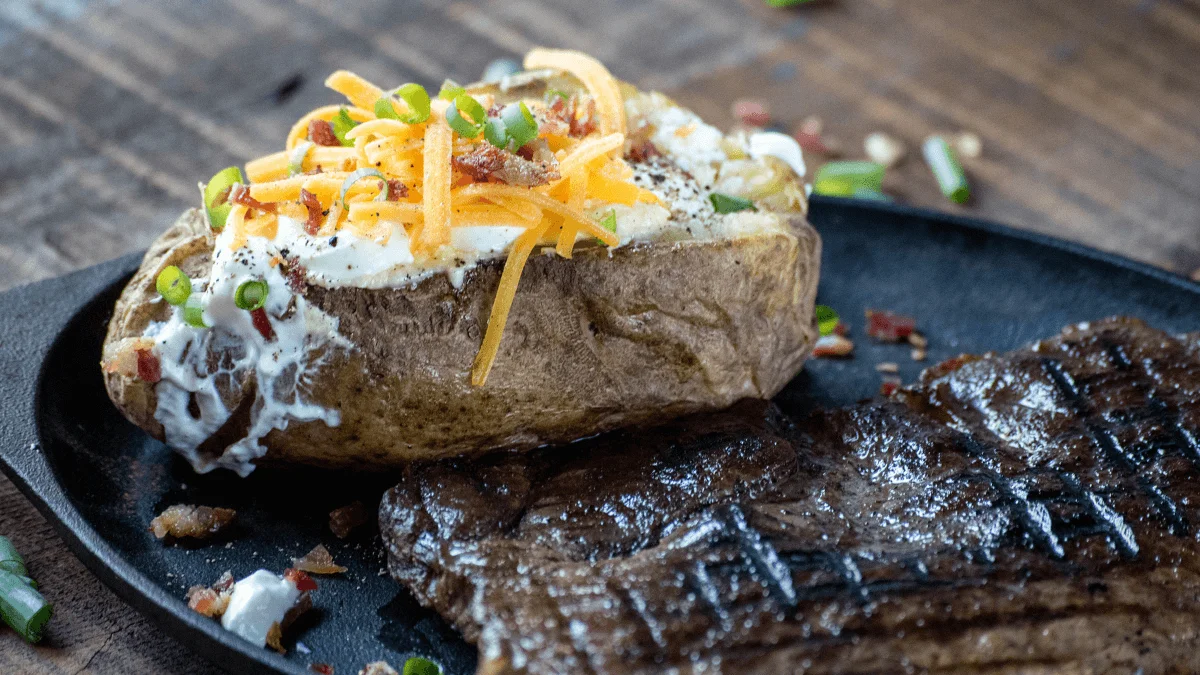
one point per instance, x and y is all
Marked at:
(396, 190)
(240, 194)
(321, 668)
(296, 276)
(888, 387)
(187, 520)
(344, 520)
(576, 115)
(889, 327)
(321, 133)
(643, 150)
(318, 561)
(148, 367)
(211, 601)
(309, 201)
(485, 162)
(262, 324)
(302, 581)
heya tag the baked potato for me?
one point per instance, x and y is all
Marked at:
(670, 271)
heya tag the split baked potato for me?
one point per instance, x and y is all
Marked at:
(663, 301)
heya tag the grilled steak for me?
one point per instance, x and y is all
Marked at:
(1032, 512)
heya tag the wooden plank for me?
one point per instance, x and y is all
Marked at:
(111, 112)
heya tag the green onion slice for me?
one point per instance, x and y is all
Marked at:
(843, 179)
(520, 123)
(216, 196)
(296, 158)
(494, 132)
(366, 172)
(827, 319)
(949, 173)
(550, 91)
(419, 665)
(251, 295)
(22, 607)
(193, 312)
(10, 559)
(342, 124)
(414, 96)
(474, 110)
(450, 90)
(173, 285)
(610, 221)
(723, 203)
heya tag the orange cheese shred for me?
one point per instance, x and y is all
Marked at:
(599, 82)
(505, 293)
(361, 93)
(439, 141)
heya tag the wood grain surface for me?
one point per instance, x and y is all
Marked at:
(111, 111)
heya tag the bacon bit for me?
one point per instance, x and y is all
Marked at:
(643, 151)
(841, 329)
(222, 196)
(322, 668)
(808, 135)
(832, 346)
(275, 638)
(318, 561)
(302, 581)
(148, 368)
(576, 115)
(296, 277)
(396, 190)
(263, 324)
(889, 327)
(344, 520)
(309, 201)
(240, 194)
(378, 668)
(211, 601)
(186, 520)
(485, 161)
(751, 113)
(321, 133)
(888, 387)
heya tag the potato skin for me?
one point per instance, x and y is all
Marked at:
(601, 341)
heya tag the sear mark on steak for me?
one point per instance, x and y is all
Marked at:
(1036, 511)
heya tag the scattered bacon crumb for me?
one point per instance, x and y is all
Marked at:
(318, 561)
(322, 668)
(296, 276)
(577, 115)
(888, 387)
(378, 668)
(485, 162)
(321, 133)
(211, 601)
(275, 638)
(889, 327)
(832, 346)
(396, 190)
(148, 367)
(310, 202)
(344, 520)
(642, 151)
(751, 113)
(262, 324)
(809, 136)
(240, 194)
(842, 328)
(187, 520)
(303, 581)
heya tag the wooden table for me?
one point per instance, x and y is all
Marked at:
(110, 112)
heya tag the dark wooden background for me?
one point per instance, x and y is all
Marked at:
(112, 110)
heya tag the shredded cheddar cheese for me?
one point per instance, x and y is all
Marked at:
(435, 193)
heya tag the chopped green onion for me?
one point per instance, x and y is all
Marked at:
(842, 179)
(251, 295)
(22, 607)
(417, 100)
(946, 169)
(550, 91)
(521, 125)
(723, 203)
(342, 124)
(216, 196)
(173, 285)
(419, 665)
(366, 172)
(494, 132)
(10, 560)
(193, 312)
(465, 104)
(296, 158)
(450, 90)
(610, 221)
(827, 319)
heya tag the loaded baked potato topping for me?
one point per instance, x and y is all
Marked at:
(395, 187)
